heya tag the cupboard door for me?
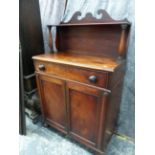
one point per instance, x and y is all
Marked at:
(84, 106)
(52, 91)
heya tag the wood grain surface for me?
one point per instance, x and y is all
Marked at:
(84, 61)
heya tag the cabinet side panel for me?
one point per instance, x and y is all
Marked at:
(114, 102)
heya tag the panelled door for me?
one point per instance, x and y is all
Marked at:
(52, 92)
(84, 105)
(73, 108)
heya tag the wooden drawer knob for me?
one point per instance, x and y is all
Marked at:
(92, 78)
(41, 67)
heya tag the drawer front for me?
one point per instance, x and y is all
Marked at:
(87, 76)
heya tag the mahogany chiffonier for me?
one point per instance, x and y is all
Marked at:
(80, 86)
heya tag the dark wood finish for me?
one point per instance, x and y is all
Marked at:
(122, 43)
(90, 36)
(50, 40)
(83, 107)
(96, 40)
(72, 73)
(53, 104)
(82, 61)
(89, 77)
(116, 86)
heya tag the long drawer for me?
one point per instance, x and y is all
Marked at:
(88, 76)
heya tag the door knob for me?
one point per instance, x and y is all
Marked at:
(92, 78)
(41, 67)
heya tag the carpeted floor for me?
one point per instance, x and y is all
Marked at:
(43, 141)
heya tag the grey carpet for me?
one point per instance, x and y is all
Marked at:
(43, 141)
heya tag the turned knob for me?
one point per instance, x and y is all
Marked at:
(92, 78)
(41, 67)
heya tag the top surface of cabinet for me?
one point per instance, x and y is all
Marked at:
(91, 62)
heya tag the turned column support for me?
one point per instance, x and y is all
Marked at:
(122, 42)
(50, 40)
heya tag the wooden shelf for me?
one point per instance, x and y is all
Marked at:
(85, 61)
